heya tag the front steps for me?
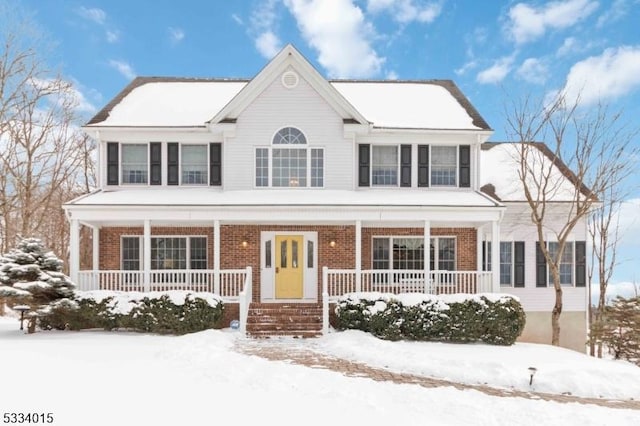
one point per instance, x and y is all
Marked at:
(284, 319)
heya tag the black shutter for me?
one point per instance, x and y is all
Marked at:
(364, 154)
(518, 263)
(215, 164)
(484, 256)
(112, 163)
(173, 160)
(541, 267)
(581, 263)
(156, 163)
(405, 165)
(465, 166)
(423, 165)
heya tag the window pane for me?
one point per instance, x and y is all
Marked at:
(289, 167)
(384, 165)
(565, 265)
(506, 263)
(131, 253)
(283, 254)
(408, 253)
(446, 254)
(294, 254)
(198, 252)
(289, 135)
(194, 165)
(168, 253)
(309, 254)
(267, 254)
(443, 166)
(380, 253)
(134, 163)
(262, 167)
(317, 168)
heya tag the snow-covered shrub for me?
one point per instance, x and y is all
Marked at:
(490, 318)
(33, 275)
(172, 312)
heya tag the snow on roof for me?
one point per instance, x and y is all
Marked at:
(175, 102)
(499, 167)
(170, 103)
(287, 197)
(424, 105)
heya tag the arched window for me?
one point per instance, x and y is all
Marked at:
(288, 162)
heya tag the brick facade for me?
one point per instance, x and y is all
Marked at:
(234, 255)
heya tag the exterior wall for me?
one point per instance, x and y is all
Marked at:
(573, 329)
(466, 258)
(516, 226)
(278, 107)
(110, 239)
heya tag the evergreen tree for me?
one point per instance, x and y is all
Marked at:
(33, 275)
(621, 329)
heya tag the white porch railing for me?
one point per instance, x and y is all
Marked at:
(231, 281)
(341, 281)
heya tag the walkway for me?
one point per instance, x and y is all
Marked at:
(293, 352)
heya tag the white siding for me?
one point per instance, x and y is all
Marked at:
(278, 107)
(516, 226)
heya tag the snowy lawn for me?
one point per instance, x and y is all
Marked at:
(118, 378)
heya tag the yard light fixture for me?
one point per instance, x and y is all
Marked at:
(532, 372)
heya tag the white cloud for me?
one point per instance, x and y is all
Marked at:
(405, 11)
(237, 18)
(534, 71)
(496, 72)
(614, 73)
(268, 44)
(176, 34)
(94, 14)
(624, 288)
(123, 68)
(392, 75)
(341, 35)
(113, 36)
(617, 11)
(527, 23)
(467, 66)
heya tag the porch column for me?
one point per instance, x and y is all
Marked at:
(95, 261)
(358, 255)
(74, 250)
(495, 256)
(146, 259)
(216, 257)
(426, 254)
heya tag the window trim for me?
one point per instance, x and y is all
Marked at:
(188, 249)
(456, 148)
(140, 252)
(197, 185)
(573, 264)
(270, 167)
(398, 161)
(512, 262)
(121, 164)
(433, 238)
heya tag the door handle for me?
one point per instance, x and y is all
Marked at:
(277, 269)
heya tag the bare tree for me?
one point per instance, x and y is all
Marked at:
(586, 157)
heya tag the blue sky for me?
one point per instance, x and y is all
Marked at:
(492, 49)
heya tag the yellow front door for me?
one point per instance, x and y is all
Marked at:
(289, 266)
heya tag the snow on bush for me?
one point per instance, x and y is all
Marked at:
(173, 312)
(32, 274)
(488, 317)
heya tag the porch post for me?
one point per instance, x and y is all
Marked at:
(358, 255)
(74, 250)
(495, 257)
(216, 257)
(146, 259)
(95, 261)
(426, 254)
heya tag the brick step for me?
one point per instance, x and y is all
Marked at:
(285, 311)
(282, 327)
(284, 318)
(296, 334)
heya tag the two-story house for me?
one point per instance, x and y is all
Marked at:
(285, 191)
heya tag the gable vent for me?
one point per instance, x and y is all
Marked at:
(290, 79)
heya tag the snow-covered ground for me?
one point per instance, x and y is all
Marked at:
(102, 378)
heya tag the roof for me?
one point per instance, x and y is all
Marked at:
(499, 172)
(205, 196)
(192, 102)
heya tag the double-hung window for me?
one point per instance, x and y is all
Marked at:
(135, 164)
(506, 263)
(194, 165)
(384, 165)
(289, 162)
(565, 265)
(444, 167)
